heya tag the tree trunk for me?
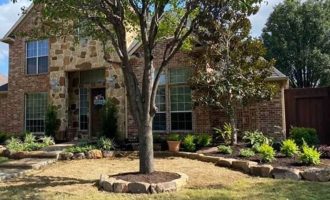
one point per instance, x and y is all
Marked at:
(232, 119)
(146, 148)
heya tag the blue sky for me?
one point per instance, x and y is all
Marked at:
(9, 14)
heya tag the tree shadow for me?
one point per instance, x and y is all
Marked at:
(28, 187)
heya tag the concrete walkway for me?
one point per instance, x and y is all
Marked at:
(33, 160)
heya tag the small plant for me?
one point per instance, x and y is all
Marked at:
(15, 145)
(52, 123)
(289, 148)
(188, 143)
(173, 137)
(309, 155)
(267, 153)
(3, 137)
(47, 140)
(105, 144)
(256, 139)
(80, 149)
(203, 140)
(309, 135)
(110, 120)
(246, 153)
(225, 149)
(225, 133)
(29, 138)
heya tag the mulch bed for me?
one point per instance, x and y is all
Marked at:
(155, 177)
(281, 160)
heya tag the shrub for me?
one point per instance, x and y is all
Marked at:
(15, 145)
(225, 133)
(289, 148)
(109, 120)
(246, 153)
(225, 149)
(173, 137)
(267, 153)
(203, 140)
(80, 149)
(256, 139)
(3, 137)
(105, 144)
(47, 140)
(309, 155)
(189, 143)
(52, 123)
(309, 135)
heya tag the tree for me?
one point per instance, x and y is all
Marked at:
(52, 123)
(232, 71)
(297, 35)
(152, 20)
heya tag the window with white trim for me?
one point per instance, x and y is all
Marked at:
(35, 112)
(173, 101)
(37, 56)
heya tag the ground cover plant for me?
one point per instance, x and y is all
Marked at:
(29, 143)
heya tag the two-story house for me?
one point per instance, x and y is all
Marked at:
(73, 77)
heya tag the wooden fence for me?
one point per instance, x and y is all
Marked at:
(309, 107)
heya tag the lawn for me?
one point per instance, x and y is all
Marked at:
(76, 180)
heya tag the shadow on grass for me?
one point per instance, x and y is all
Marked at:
(29, 187)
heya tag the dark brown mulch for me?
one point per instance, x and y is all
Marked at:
(155, 177)
(281, 160)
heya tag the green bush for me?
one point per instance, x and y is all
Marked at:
(188, 143)
(52, 123)
(256, 139)
(110, 120)
(80, 149)
(173, 137)
(309, 135)
(225, 149)
(203, 140)
(246, 153)
(15, 145)
(3, 137)
(267, 153)
(29, 138)
(289, 148)
(47, 140)
(105, 144)
(225, 133)
(310, 155)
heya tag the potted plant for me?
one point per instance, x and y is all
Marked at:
(173, 142)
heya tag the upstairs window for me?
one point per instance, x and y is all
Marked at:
(37, 57)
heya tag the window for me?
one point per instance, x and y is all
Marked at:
(37, 57)
(84, 109)
(35, 112)
(180, 110)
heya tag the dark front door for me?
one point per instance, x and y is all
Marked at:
(97, 101)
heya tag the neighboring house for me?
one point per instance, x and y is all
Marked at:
(3, 79)
(75, 77)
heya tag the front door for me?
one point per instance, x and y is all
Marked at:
(97, 101)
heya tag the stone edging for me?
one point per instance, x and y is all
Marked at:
(111, 184)
(255, 169)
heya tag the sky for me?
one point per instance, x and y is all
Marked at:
(9, 14)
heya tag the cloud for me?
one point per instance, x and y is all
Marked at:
(259, 20)
(9, 15)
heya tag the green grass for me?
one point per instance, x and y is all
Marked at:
(3, 159)
(76, 180)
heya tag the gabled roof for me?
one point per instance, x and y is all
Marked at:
(4, 88)
(7, 37)
(277, 75)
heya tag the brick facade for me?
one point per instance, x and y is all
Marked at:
(66, 60)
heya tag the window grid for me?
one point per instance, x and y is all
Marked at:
(37, 57)
(35, 112)
(84, 109)
(159, 123)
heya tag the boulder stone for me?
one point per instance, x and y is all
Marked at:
(225, 162)
(166, 187)
(285, 173)
(2, 150)
(138, 187)
(210, 159)
(108, 184)
(66, 156)
(153, 188)
(120, 186)
(94, 154)
(261, 170)
(17, 155)
(242, 165)
(315, 174)
(78, 156)
(108, 154)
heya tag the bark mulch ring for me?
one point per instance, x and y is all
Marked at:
(281, 160)
(155, 177)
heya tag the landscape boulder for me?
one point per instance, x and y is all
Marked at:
(315, 174)
(285, 173)
(94, 154)
(242, 165)
(261, 170)
(138, 187)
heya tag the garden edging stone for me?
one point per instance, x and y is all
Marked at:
(285, 173)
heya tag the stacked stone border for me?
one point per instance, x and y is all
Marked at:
(111, 184)
(256, 169)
